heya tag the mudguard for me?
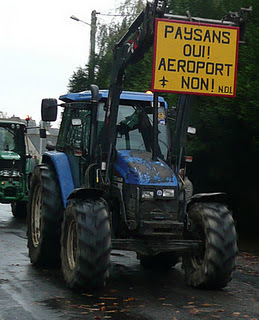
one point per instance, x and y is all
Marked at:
(63, 171)
(220, 197)
(86, 193)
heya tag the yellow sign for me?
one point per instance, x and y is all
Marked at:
(195, 58)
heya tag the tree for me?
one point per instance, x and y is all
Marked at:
(107, 36)
(3, 114)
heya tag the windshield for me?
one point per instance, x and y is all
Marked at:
(135, 127)
(11, 139)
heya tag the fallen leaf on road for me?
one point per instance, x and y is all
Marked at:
(236, 313)
(214, 316)
(129, 299)
(108, 298)
(191, 302)
(194, 311)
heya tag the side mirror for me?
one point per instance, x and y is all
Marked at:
(49, 109)
(43, 133)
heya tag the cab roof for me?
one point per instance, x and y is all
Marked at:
(3, 121)
(125, 95)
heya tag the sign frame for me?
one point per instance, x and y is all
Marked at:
(188, 23)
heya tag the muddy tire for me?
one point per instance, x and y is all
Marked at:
(162, 261)
(212, 268)
(85, 244)
(19, 209)
(45, 213)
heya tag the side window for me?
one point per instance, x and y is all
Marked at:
(75, 139)
(100, 117)
(7, 139)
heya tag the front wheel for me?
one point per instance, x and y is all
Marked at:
(212, 268)
(45, 213)
(85, 244)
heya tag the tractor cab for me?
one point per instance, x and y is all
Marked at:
(15, 166)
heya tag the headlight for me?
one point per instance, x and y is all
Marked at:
(146, 194)
(169, 193)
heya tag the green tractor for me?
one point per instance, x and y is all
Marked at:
(16, 166)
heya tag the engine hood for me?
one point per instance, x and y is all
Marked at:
(137, 167)
(9, 155)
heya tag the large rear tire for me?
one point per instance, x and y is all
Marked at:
(212, 268)
(44, 217)
(86, 244)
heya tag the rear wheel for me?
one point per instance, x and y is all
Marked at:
(213, 266)
(86, 244)
(19, 209)
(162, 261)
(44, 217)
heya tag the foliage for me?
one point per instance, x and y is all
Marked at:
(3, 115)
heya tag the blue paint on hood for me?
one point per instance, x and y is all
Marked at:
(137, 167)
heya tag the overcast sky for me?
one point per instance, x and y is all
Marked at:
(40, 48)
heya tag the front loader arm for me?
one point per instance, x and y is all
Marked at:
(130, 49)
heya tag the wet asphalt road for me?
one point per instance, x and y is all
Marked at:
(132, 293)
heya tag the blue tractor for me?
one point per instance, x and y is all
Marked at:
(111, 182)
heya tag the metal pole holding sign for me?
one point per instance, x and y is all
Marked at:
(180, 128)
(155, 126)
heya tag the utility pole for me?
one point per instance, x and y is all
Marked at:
(92, 47)
(91, 61)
